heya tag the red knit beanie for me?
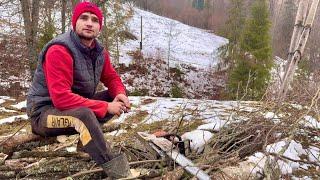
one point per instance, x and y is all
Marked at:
(86, 7)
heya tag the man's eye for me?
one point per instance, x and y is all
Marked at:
(84, 17)
(95, 20)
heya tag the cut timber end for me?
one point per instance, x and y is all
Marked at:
(24, 141)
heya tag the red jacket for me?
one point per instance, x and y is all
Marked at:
(58, 70)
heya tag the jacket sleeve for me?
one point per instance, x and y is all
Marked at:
(58, 70)
(111, 79)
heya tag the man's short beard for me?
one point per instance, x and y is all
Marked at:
(86, 38)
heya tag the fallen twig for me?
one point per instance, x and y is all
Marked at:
(100, 169)
(294, 160)
(66, 145)
(5, 140)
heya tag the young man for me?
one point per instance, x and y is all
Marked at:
(63, 100)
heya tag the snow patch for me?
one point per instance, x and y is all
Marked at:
(297, 106)
(117, 132)
(71, 149)
(272, 116)
(212, 126)
(198, 138)
(20, 105)
(13, 118)
(3, 109)
(6, 98)
(311, 122)
(290, 149)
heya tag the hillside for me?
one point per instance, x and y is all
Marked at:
(188, 45)
(191, 53)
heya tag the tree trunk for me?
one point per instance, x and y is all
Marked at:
(19, 142)
(48, 168)
(29, 141)
(63, 15)
(31, 19)
(49, 154)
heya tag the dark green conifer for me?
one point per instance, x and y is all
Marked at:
(251, 73)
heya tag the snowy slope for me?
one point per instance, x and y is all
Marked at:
(188, 44)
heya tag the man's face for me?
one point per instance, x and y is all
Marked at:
(87, 26)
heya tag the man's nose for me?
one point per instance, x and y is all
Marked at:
(89, 22)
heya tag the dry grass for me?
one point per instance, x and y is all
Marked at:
(237, 141)
(230, 145)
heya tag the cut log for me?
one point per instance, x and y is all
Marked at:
(23, 141)
(48, 154)
(51, 169)
(8, 145)
(109, 127)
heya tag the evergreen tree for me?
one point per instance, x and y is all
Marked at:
(47, 30)
(250, 75)
(234, 25)
(114, 26)
(233, 30)
(46, 34)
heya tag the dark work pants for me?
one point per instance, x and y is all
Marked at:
(82, 120)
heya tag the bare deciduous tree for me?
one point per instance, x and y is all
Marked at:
(63, 15)
(30, 13)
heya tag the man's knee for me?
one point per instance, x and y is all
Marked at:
(84, 114)
(86, 117)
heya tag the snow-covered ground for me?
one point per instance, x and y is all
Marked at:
(193, 51)
(298, 157)
(214, 115)
(20, 105)
(188, 45)
(13, 118)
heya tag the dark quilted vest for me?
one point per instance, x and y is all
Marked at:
(87, 68)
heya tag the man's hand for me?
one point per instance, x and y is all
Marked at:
(123, 99)
(116, 108)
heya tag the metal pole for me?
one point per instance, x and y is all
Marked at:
(141, 35)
